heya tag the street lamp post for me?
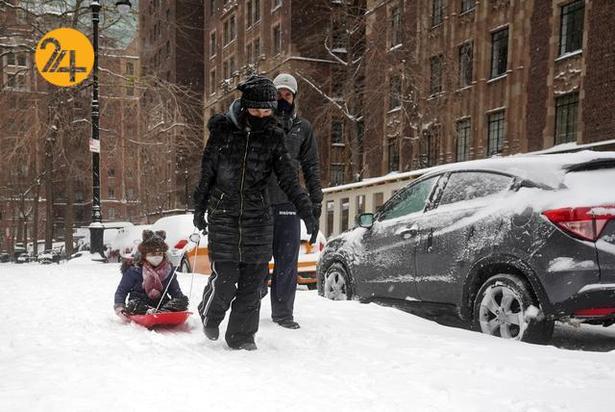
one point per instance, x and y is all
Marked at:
(96, 227)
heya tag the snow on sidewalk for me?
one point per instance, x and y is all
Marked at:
(63, 349)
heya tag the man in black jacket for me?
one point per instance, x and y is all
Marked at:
(303, 150)
(245, 148)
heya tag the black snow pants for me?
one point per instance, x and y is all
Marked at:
(240, 284)
(286, 243)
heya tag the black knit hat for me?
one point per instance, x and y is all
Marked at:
(153, 242)
(258, 92)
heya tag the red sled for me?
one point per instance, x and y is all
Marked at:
(151, 320)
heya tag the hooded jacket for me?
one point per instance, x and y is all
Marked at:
(235, 170)
(303, 150)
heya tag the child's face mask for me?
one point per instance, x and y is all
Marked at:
(154, 260)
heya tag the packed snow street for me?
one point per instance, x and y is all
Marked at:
(62, 348)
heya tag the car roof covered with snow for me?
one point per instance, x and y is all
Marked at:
(545, 169)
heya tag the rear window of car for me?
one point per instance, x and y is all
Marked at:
(589, 180)
(462, 186)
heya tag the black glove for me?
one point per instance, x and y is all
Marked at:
(199, 220)
(311, 225)
(317, 209)
(176, 305)
(314, 236)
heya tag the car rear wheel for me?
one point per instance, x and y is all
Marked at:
(337, 283)
(505, 308)
(312, 286)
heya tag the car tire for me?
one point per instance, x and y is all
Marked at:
(184, 266)
(312, 286)
(502, 308)
(336, 283)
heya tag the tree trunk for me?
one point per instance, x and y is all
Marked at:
(69, 215)
(37, 194)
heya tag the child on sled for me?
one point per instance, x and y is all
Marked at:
(142, 285)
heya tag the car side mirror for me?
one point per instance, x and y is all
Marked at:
(195, 238)
(366, 220)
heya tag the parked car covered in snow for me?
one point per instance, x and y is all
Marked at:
(513, 243)
(49, 256)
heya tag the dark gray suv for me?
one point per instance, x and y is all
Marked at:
(512, 243)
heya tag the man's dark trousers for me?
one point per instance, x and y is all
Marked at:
(286, 243)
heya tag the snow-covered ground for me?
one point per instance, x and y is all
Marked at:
(63, 349)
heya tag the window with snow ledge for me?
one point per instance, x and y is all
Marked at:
(571, 27)
(499, 53)
(566, 108)
(496, 129)
(395, 27)
(437, 12)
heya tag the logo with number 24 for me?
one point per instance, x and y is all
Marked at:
(64, 57)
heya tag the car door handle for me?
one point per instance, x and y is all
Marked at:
(408, 232)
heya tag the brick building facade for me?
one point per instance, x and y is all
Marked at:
(305, 39)
(469, 79)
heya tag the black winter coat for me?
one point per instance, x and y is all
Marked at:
(236, 167)
(303, 151)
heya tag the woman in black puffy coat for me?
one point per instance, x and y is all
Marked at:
(245, 147)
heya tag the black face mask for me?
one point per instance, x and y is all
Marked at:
(257, 123)
(285, 107)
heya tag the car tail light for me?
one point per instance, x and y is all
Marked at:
(181, 244)
(594, 312)
(583, 222)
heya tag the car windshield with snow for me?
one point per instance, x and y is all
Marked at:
(511, 244)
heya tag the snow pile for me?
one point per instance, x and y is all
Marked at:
(62, 348)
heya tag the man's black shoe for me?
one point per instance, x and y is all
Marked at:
(244, 346)
(288, 324)
(212, 333)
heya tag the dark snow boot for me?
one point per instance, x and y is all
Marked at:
(244, 346)
(288, 324)
(212, 332)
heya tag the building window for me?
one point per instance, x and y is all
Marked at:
(499, 52)
(277, 39)
(111, 193)
(213, 44)
(395, 27)
(130, 193)
(431, 149)
(275, 4)
(337, 132)
(393, 152)
(464, 139)
(249, 54)
(256, 49)
(79, 196)
(338, 37)
(571, 27)
(466, 61)
(394, 92)
(229, 30)
(111, 172)
(212, 81)
(111, 213)
(566, 108)
(130, 69)
(496, 124)
(253, 12)
(437, 12)
(467, 5)
(435, 84)
(337, 174)
(212, 7)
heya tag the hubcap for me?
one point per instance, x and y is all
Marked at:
(335, 285)
(501, 313)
